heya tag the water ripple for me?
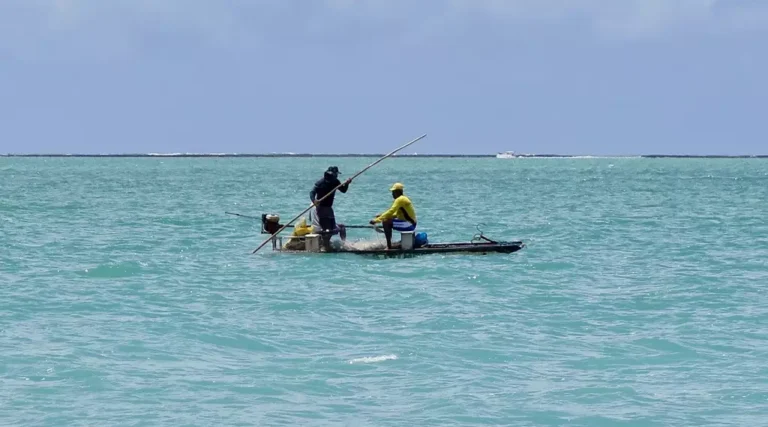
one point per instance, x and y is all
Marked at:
(128, 297)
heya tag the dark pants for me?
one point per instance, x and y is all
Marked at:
(327, 221)
(326, 218)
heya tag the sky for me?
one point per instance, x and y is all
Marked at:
(599, 77)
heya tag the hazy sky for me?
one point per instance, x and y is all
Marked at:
(333, 76)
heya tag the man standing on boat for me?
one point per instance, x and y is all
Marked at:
(401, 216)
(324, 218)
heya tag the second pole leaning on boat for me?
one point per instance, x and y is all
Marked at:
(333, 191)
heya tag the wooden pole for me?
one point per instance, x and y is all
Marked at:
(253, 217)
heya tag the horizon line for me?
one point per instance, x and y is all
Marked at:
(310, 155)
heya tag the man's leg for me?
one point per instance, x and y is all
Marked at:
(326, 241)
(342, 232)
(327, 225)
(388, 232)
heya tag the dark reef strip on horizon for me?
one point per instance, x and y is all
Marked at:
(713, 156)
(166, 156)
(282, 155)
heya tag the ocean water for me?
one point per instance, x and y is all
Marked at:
(129, 297)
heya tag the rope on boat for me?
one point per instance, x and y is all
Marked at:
(479, 236)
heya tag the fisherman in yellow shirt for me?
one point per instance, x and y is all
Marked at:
(401, 216)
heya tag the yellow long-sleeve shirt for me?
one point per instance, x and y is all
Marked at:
(396, 210)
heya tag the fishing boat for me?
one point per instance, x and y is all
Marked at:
(305, 238)
(506, 155)
(307, 241)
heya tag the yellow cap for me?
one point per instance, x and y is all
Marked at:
(397, 186)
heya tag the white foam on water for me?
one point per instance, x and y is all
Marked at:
(373, 359)
(363, 245)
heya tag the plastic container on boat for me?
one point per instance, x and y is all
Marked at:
(420, 239)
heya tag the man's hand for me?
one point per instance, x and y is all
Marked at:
(348, 181)
(372, 222)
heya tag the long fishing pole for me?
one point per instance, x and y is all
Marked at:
(253, 217)
(332, 191)
(240, 215)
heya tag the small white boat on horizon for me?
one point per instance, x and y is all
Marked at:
(506, 155)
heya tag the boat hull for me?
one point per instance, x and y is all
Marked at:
(478, 245)
(435, 248)
(449, 248)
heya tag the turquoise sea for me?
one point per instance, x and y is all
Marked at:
(128, 296)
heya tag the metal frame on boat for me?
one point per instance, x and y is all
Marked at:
(408, 245)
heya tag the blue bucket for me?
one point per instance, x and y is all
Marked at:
(420, 239)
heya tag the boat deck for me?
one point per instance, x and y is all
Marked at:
(478, 245)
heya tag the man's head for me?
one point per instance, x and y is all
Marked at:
(332, 172)
(397, 190)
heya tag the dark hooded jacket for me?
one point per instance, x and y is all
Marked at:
(325, 186)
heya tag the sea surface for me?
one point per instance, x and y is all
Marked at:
(128, 297)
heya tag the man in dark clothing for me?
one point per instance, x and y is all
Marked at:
(324, 217)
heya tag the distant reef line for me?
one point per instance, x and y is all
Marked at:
(308, 155)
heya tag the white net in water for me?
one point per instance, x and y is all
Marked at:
(362, 245)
